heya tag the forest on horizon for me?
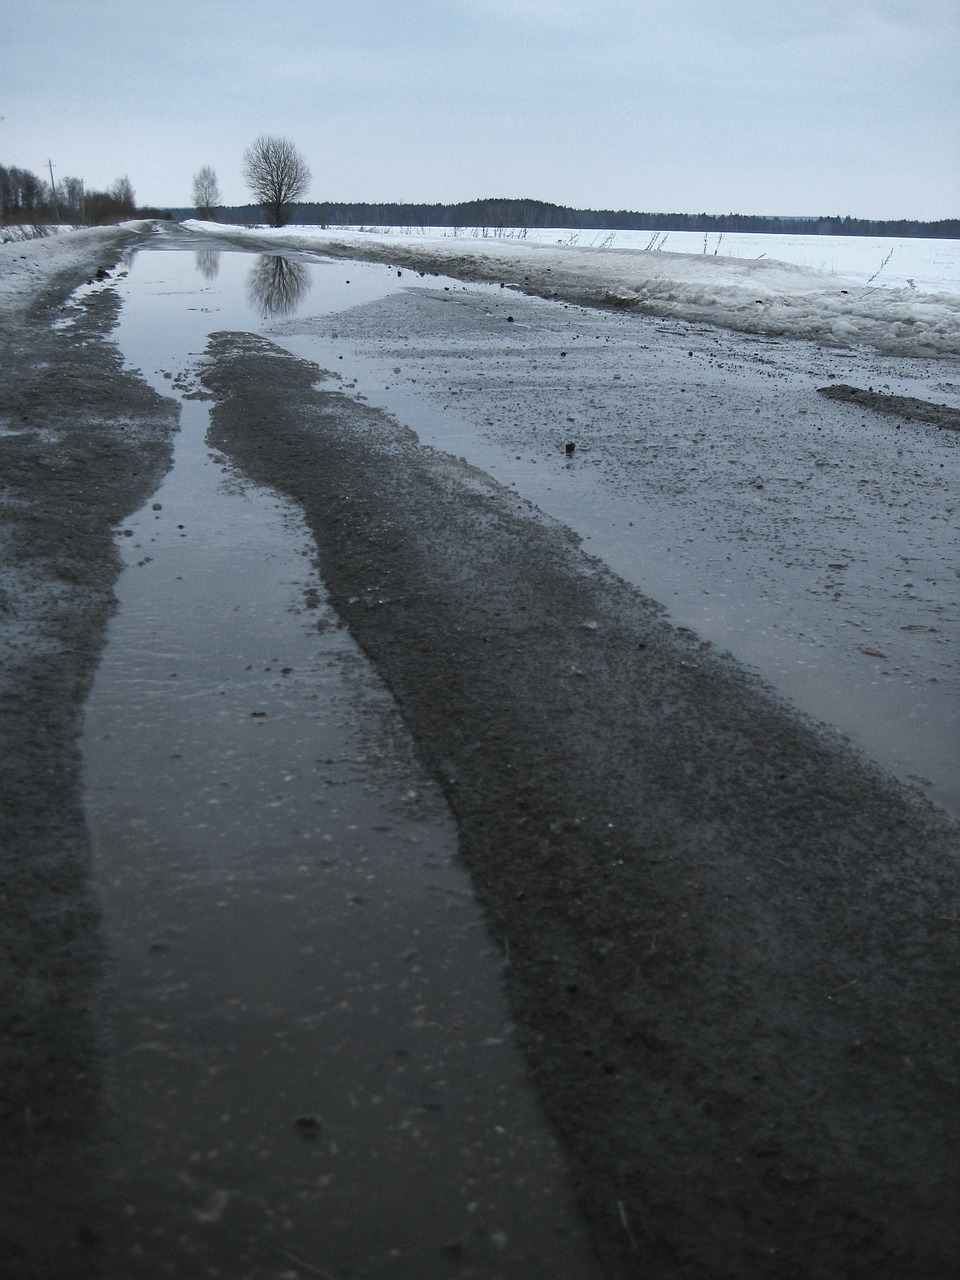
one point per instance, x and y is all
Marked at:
(495, 215)
(26, 198)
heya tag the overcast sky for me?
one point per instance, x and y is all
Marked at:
(745, 106)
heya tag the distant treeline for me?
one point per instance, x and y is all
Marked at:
(25, 198)
(497, 215)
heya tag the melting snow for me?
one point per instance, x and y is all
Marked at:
(752, 295)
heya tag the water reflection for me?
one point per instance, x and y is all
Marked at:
(208, 263)
(277, 285)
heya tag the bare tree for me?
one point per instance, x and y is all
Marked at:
(103, 207)
(277, 285)
(21, 194)
(71, 190)
(208, 263)
(206, 192)
(277, 175)
(122, 193)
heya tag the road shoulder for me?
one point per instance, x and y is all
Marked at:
(82, 444)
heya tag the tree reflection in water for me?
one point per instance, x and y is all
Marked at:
(277, 285)
(208, 263)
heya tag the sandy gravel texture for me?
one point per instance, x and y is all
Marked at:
(732, 942)
(82, 444)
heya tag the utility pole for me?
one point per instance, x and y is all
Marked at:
(53, 194)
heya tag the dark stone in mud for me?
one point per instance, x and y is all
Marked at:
(907, 407)
(729, 954)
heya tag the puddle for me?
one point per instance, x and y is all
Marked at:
(314, 1071)
(811, 632)
(909, 723)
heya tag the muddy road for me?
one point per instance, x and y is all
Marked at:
(83, 444)
(730, 940)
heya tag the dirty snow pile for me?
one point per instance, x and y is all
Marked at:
(28, 231)
(755, 295)
(27, 265)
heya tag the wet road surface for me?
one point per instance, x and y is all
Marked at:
(315, 1071)
(727, 940)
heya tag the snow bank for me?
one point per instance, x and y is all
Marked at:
(28, 265)
(930, 265)
(752, 295)
(30, 231)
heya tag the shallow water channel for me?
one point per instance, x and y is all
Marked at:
(314, 1068)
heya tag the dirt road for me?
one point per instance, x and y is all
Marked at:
(733, 943)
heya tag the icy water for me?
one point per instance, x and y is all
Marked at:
(315, 1071)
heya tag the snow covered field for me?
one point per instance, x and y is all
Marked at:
(897, 296)
(929, 266)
